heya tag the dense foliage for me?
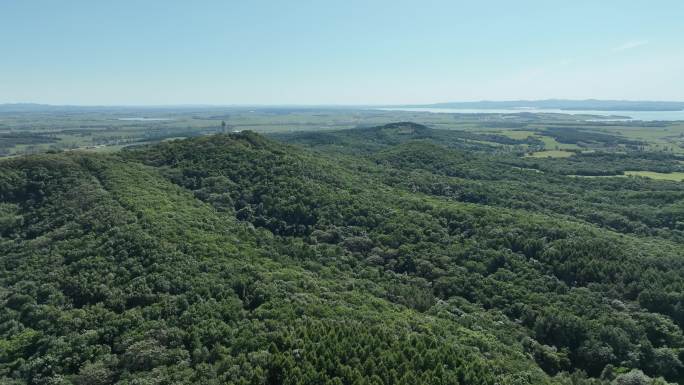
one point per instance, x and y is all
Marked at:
(573, 135)
(389, 255)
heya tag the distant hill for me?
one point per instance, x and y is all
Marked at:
(563, 104)
(556, 104)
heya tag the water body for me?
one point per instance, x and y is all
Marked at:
(598, 115)
(145, 119)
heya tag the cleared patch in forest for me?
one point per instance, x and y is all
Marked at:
(675, 176)
(551, 154)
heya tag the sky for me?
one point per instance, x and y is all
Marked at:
(154, 52)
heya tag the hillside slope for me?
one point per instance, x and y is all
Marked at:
(237, 259)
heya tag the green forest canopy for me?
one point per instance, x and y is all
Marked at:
(396, 254)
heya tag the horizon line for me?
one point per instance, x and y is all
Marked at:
(218, 105)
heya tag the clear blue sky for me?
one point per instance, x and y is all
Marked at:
(338, 52)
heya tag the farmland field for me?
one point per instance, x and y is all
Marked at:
(675, 176)
(551, 154)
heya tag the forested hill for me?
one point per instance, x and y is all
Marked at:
(389, 255)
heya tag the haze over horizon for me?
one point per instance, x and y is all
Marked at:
(490, 103)
(338, 53)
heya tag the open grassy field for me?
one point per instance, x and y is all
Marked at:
(675, 176)
(518, 134)
(553, 144)
(551, 154)
(549, 142)
(597, 176)
(666, 137)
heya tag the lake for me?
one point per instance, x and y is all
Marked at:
(605, 115)
(145, 119)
